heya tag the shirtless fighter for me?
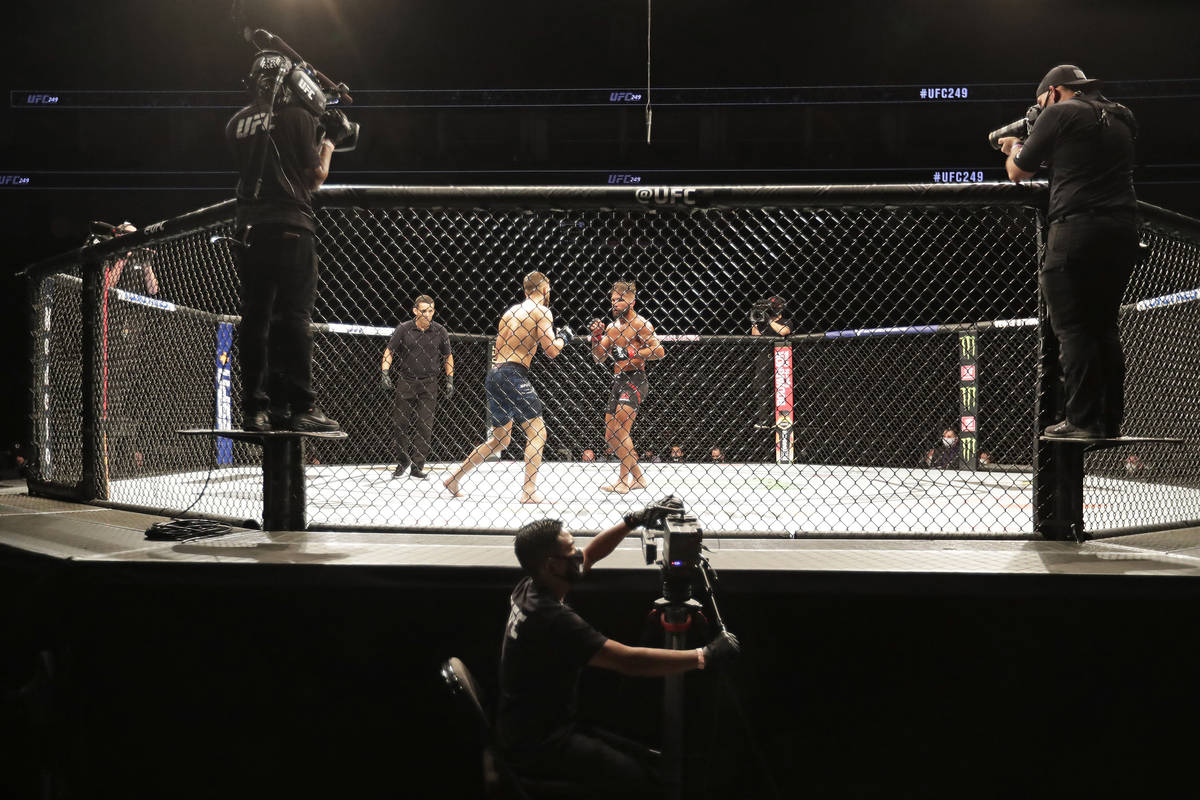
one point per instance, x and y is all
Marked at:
(523, 329)
(631, 341)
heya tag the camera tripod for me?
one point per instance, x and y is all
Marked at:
(676, 612)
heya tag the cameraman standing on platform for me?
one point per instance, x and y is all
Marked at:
(282, 157)
(421, 349)
(546, 645)
(1092, 242)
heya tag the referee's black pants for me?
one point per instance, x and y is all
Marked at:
(1089, 258)
(412, 418)
(278, 272)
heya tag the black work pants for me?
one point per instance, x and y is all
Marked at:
(412, 418)
(1089, 258)
(278, 272)
(600, 762)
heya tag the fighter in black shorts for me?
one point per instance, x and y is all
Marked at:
(631, 341)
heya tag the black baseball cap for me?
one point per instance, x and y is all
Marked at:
(1065, 75)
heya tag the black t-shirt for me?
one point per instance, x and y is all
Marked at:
(1091, 163)
(764, 377)
(546, 646)
(418, 354)
(293, 152)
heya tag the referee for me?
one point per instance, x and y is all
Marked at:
(420, 348)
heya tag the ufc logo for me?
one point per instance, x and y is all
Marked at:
(248, 126)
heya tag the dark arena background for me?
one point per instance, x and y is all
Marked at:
(1015, 623)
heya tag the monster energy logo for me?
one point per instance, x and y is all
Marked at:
(968, 396)
(966, 347)
(967, 443)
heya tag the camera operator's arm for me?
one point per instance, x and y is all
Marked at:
(652, 662)
(1011, 146)
(318, 175)
(780, 328)
(1025, 159)
(606, 542)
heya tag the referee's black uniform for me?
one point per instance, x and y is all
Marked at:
(418, 359)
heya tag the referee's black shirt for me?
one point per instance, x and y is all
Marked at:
(1091, 164)
(419, 354)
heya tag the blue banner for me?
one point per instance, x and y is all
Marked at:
(224, 385)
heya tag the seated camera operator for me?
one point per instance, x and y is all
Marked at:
(286, 148)
(546, 645)
(1092, 242)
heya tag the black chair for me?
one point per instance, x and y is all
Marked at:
(499, 778)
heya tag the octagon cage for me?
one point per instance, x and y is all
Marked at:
(903, 401)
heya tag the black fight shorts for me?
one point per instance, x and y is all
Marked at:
(628, 389)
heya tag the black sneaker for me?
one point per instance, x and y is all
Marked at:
(1065, 430)
(418, 473)
(257, 422)
(281, 418)
(314, 421)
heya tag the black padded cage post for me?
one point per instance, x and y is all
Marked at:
(913, 312)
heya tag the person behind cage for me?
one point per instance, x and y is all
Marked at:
(523, 329)
(766, 319)
(122, 346)
(1092, 243)
(631, 341)
(545, 648)
(282, 157)
(420, 351)
(946, 454)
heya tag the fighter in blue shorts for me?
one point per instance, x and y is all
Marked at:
(511, 398)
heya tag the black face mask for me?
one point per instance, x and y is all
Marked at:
(574, 571)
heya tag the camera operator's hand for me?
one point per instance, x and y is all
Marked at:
(385, 380)
(652, 515)
(721, 650)
(1007, 143)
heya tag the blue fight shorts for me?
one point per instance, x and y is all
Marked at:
(510, 396)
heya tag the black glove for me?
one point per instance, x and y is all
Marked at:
(652, 514)
(721, 650)
(566, 335)
(448, 392)
(618, 353)
(385, 380)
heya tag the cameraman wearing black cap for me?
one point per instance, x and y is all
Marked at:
(1092, 242)
(282, 157)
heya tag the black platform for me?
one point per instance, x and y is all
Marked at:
(283, 471)
(1064, 520)
(305, 663)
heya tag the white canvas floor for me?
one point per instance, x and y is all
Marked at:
(747, 499)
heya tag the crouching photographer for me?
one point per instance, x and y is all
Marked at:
(282, 144)
(547, 645)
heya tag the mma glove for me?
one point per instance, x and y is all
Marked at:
(448, 392)
(565, 334)
(619, 353)
(721, 650)
(385, 380)
(597, 328)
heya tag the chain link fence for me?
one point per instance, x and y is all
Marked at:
(902, 403)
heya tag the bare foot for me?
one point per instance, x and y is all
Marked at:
(531, 497)
(452, 484)
(617, 488)
(638, 485)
